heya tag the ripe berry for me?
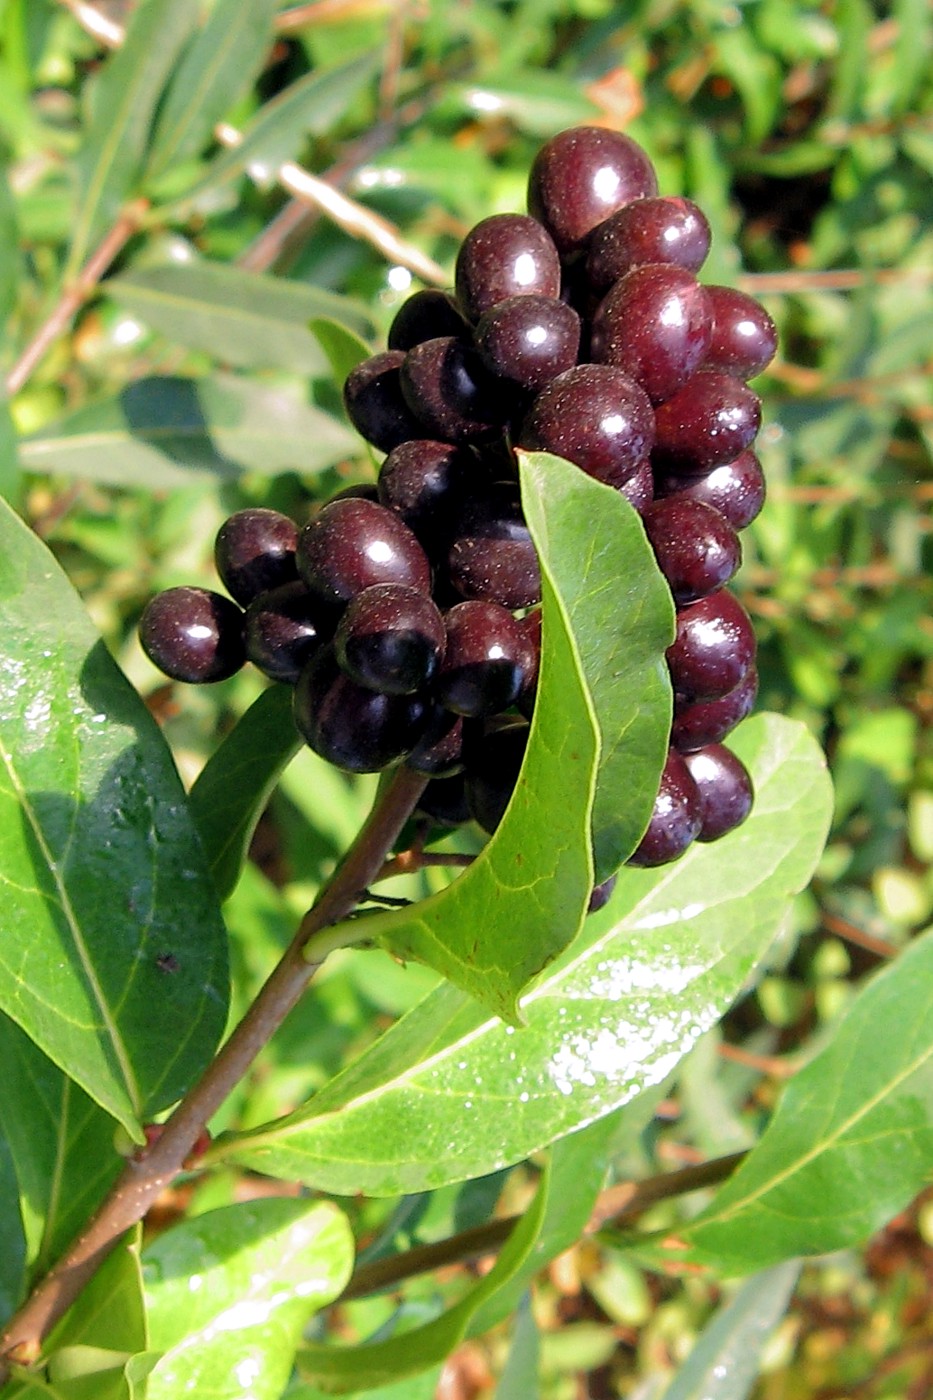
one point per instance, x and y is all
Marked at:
(356, 729)
(491, 554)
(736, 489)
(492, 772)
(639, 489)
(423, 316)
(506, 255)
(282, 630)
(255, 551)
(675, 819)
(487, 661)
(696, 549)
(391, 639)
(193, 635)
(529, 339)
(353, 544)
(744, 337)
(709, 421)
(426, 483)
(725, 789)
(701, 722)
(444, 801)
(658, 230)
(595, 416)
(713, 649)
(454, 398)
(655, 325)
(583, 175)
(439, 751)
(372, 395)
(601, 895)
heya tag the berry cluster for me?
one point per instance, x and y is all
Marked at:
(405, 614)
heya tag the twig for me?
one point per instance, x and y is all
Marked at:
(411, 861)
(74, 296)
(766, 1064)
(153, 1168)
(618, 1206)
(762, 283)
(105, 30)
(326, 12)
(880, 947)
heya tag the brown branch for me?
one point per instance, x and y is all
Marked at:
(411, 861)
(328, 12)
(74, 296)
(804, 280)
(880, 947)
(153, 1168)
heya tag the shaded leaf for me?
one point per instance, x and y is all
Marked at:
(519, 1379)
(95, 846)
(238, 317)
(647, 976)
(340, 343)
(229, 1292)
(163, 431)
(12, 1235)
(216, 69)
(235, 784)
(10, 256)
(10, 476)
(851, 1142)
(123, 102)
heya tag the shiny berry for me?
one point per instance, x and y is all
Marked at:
(492, 772)
(675, 820)
(255, 551)
(372, 395)
(713, 649)
(454, 398)
(353, 544)
(696, 549)
(638, 490)
(193, 635)
(425, 315)
(595, 416)
(444, 801)
(491, 554)
(725, 788)
(282, 630)
(654, 325)
(601, 895)
(487, 661)
(356, 729)
(744, 336)
(439, 751)
(390, 638)
(583, 175)
(701, 722)
(736, 489)
(709, 421)
(529, 339)
(654, 230)
(506, 255)
(425, 483)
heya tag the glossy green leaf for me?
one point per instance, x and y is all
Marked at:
(123, 102)
(726, 1357)
(538, 103)
(622, 619)
(61, 1144)
(524, 898)
(851, 1142)
(450, 1093)
(218, 66)
(163, 431)
(238, 317)
(344, 1370)
(344, 348)
(235, 784)
(95, 845)
(309, 107)
(229, 1292)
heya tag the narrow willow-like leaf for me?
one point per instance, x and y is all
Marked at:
(10, 254)
(123, 103)
(347, 1370)
(519, 1379)
(241, 318)
(235, 784)
(622, 619)
(851, 1142)
(10, 475)
(309, 107)
(229, 1292)
(61, 1143)
(344, 348)
(163, 432)
(217, 68)
(613, 1016)
(726, 1357)
(113, 958)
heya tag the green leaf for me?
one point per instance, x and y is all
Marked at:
(344, 1370)
(423, 1387)
(524, 898)
(10, 476)
(645, 979)
(11, 269)
(229, 1292)
(851, 1142)
(519, 1379)
(622, 619)
(124, 100)
(163, 431)
(12, 1235)
(538, 103)
(61, 1144)
(237, 781)
(340, 343)
(238, 317)
(217, 68)
(726, 1357)
(95, 845)
(309, 107)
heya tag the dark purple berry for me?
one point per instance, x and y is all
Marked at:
(372, 395)
(487, 661)
(426, 483)
(282, 630)
(725, 788)
(601, 895)
(356, 491)
(675, 820)
(709, 421)
(744, 337)
(423, 316)
(696, 549)
(506, 255)
(583, 175)
(255, 551)
(356, 729)
(491, 554)
(595, 416)
(193, 635)
(439, 751)
(638, 490)
(531, 626)
(353, 544)
(655, 325)
(701, 722)
(529, 339)
(658, 230)
(713, 649)
(454, 398)
(444, 801)
(736, 489)
(391, 639)
(492, 772)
